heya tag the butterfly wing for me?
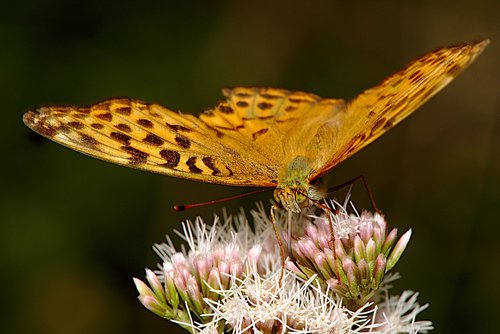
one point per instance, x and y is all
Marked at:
(275, 123)
(153, 138)
(377, 109)
(238, 142)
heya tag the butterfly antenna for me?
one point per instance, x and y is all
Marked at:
(194, 205)
(365, 184)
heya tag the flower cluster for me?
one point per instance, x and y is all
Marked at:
(230, 279)
(186, 281)
(350, 253)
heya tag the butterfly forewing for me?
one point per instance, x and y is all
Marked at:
(149, 137)
(377, 109)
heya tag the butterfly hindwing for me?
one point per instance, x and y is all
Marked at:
(278, 124)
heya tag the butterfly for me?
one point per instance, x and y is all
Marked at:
(258, 137)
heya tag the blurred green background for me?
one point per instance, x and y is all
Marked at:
(74, 230)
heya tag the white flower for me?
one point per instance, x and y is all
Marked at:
(397, 314)
(261, 304)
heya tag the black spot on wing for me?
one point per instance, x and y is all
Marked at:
(97, 126)
(225, 109)
(105, 117)
(191, 163)
(123, 127)
(208, 161)
(76, 125)
(264, 105)
(136, 156)
(256, 134)
(88, 140)
(178, 128)
(121, 137)
(171, 157)
(126, 111)
(182, 141)
(153, 140)
(145, 123)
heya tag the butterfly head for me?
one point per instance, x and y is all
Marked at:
(289, 199)
(295, 198)
(294, 191)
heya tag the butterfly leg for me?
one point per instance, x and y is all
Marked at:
(280, 242)
(365, 184)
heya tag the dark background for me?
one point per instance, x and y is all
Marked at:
(74, 230)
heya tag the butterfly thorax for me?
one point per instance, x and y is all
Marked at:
(294, 190)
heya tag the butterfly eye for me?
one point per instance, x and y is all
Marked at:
(299, 198)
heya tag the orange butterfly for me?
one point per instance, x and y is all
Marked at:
(259, 137)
